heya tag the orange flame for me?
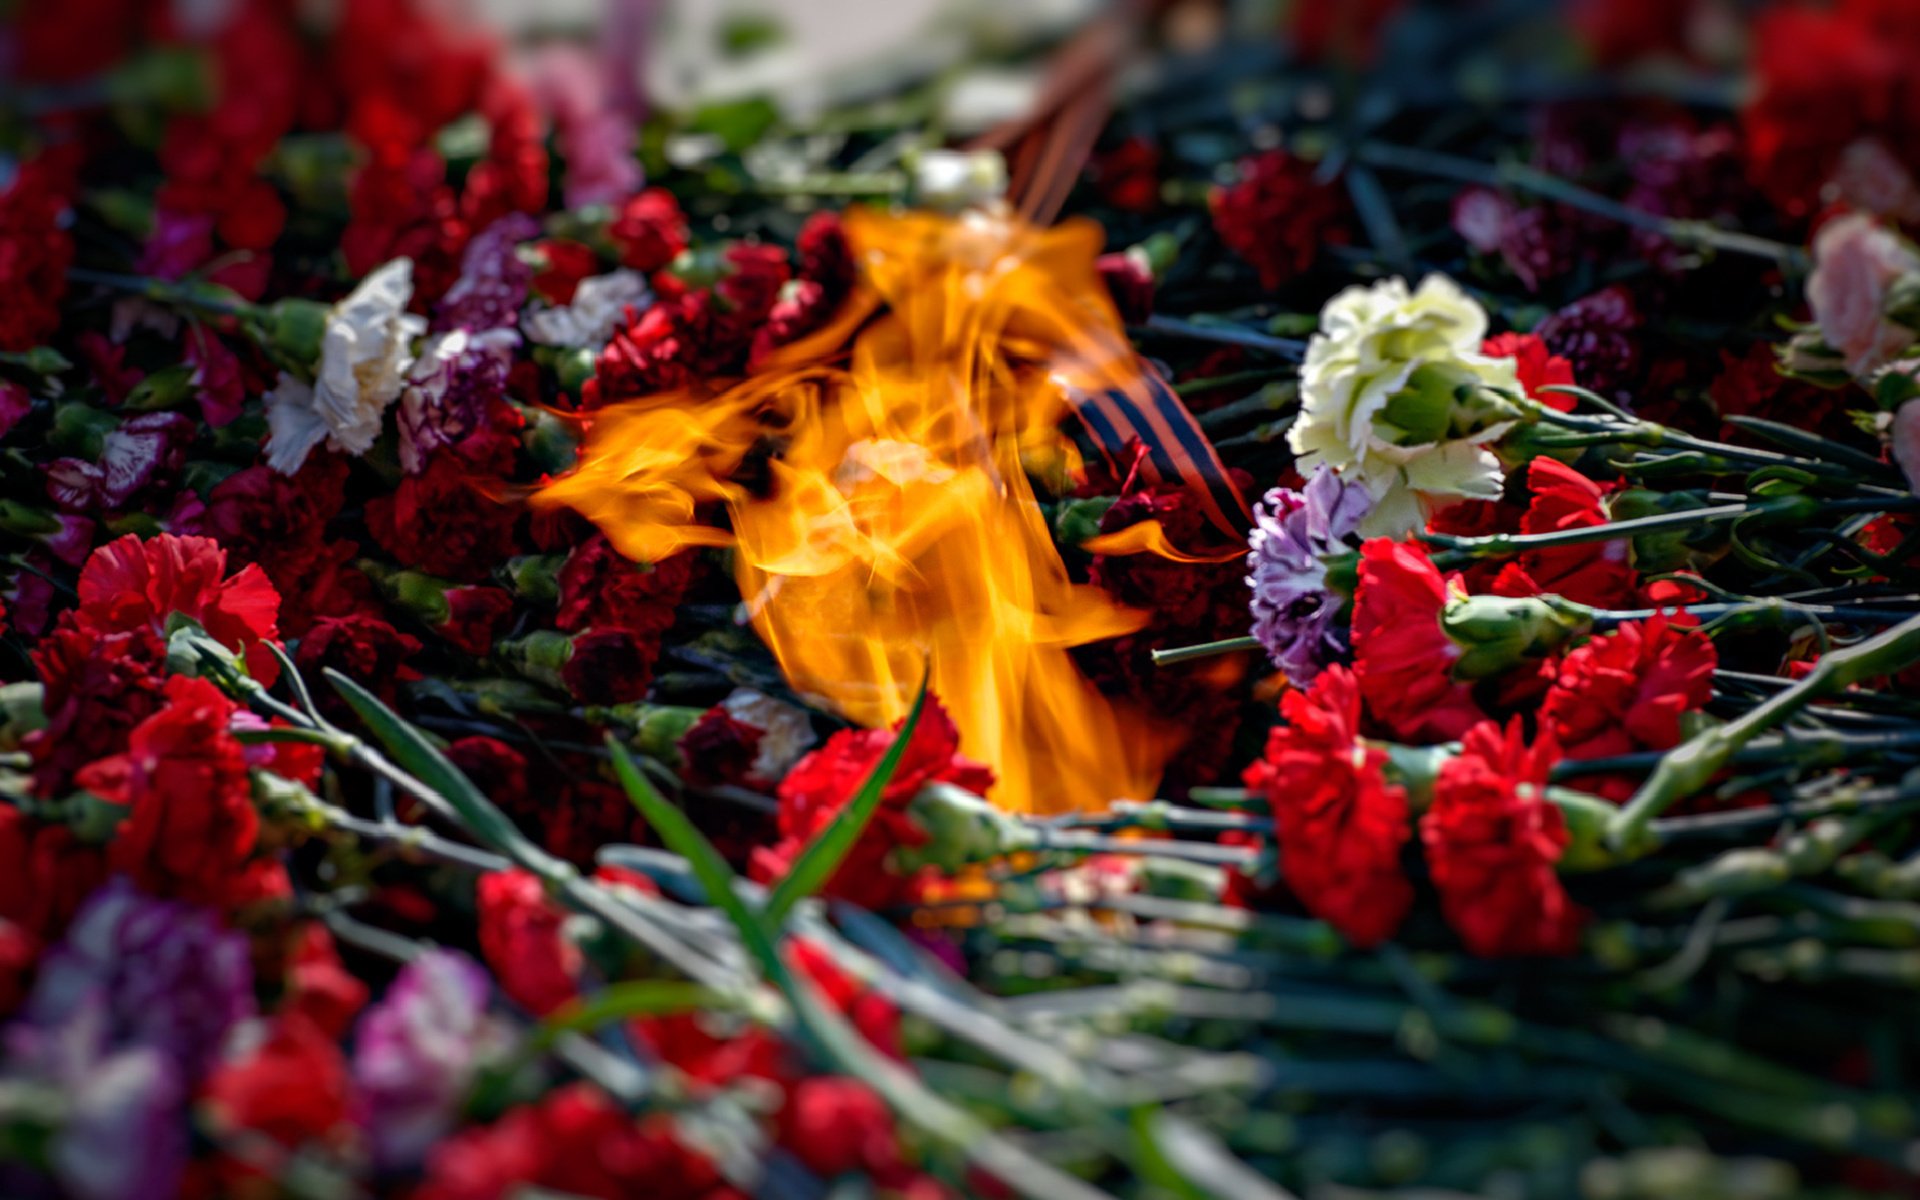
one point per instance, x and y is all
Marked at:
(880, 508)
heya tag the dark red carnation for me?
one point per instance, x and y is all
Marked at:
(46, 874)
(443, 522)
(718, 750)
(1278, 215)
(1492, 839)
(474, 615)
(35, 253)
(495, 768)
(365, 649)
(1339, 822)
(600, 588)
(318, 985)
(98, 686)
(1600, 336)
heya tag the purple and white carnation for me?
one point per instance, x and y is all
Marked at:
(494, 280)
(1293, 533)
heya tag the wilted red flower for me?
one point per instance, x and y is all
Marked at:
(191, 824)
(1340, 823)
(1492, 839)
(820, 784)
(443, 523)
(130, 584)
(1403, 659)
(292, 1086)
(1595, 573)
(1277, 215)
(573, 1141)
(650, 230)
(1627, 690)
(522, 941)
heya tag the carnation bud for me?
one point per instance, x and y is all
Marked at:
(1078, 520)
(296, 327)
(961, 828)
(41, 360)
(422, 596)
(549, 440)
(1497, 632)
(1667, 550)
(81, 430)
(656, 729)
(22, 711)
(166, 388)
(541, 656)
(26, 521)
(534, 577)
(573, 367)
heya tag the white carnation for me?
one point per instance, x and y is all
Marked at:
(365, 351)
(1377, 400)
(599, 307)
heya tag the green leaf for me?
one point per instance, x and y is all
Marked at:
(422, 759)
(824, 854)
(708, 866)
(623, 1001)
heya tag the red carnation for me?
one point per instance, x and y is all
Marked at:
(319, 986)
(1403, 658)
(130, 584)
(820, 784)
(1595, 573)
(46, 873)
(495, 768)
(291, 1087)
(365, 649)
(572, 1141)
(521, 939)
(718, 749)
(1340, 823)
(1537, 367)
(473, 616)
(98, 686)
(1626, 691)
(651, 230)
(837, 1126)
(443, 523)
(601, 588)
(35, 253)
(1492, 839)
(191, 825)
(825, 255)
(1277, 216)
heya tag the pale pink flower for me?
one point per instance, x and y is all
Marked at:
(1856, 263)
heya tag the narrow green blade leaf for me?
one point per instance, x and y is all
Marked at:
(823, 856)
(623, 1001)
(708, 866)
(418, 756)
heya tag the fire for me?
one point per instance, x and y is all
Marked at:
(878, 502)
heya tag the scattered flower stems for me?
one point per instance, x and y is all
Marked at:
(1521, 177)
(1689, 766)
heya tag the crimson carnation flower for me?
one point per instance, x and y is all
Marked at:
(1277, 215)
(573, 1141)
(1340, 823)
(1600, 336)
(35, 253)
(1403, 659)
(497, 768)
(366, 649)
(1595, 573)
(191, 825)
(318, 985)
(819, 786)
(1492, 839)
(97, 687)
(1626, 691)
(601, 588)
(443, 522)
(46, 873)
(651, 230)
(292, 1087)
(521, 939)
(610, 666)
(129, 584)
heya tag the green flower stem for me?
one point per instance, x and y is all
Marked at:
(1225, 335)
(1458, 551)
(1522, 177)
(206, 298)
(1688, 767)
(1180, 654)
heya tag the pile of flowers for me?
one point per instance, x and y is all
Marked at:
(1538, 813)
